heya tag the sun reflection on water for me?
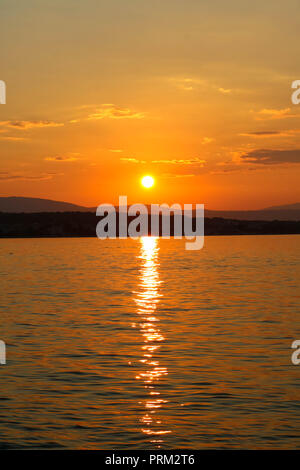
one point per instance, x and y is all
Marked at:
(147, 298)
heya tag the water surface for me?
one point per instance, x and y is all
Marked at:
(124, 344)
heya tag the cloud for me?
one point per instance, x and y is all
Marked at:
(235, 168)
(132, 160)
(174, 175)
(207, 140)
(189, 161)
(270, 114)
(116, 150)
(271, 156)
(110, 111)
(23, 177)
(194, 83)
(24, 125)
(225, 91)
(263, 134)
(59, 158)
(13, 139)
(187, 83)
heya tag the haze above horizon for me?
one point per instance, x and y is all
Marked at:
(101, 93)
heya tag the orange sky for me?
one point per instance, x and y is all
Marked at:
(197, 94)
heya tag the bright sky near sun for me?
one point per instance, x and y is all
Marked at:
(196, 94)
(147, 181)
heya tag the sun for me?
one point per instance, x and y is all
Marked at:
(147, 181)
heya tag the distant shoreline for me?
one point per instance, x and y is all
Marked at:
(29, 205)
(83, 225)
(48, 237)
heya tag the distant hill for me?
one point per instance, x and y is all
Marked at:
(263, 214)
(32, 205)
(284, 212)
(295, 206)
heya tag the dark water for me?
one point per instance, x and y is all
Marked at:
(141, 344)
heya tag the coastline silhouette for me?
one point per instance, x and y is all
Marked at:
(83, 224)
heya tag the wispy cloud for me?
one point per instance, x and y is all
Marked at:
(176, 175)
(195, 83)
(132, 160)
(184, 162)
(271, 156)
(270, 114)
(225, 91)
(207, 140)
(266, 134)
(188, 161)
(24, 125)
(187, 83)
(5, 176)
(111, 111)
(13, 139)
(62, 158)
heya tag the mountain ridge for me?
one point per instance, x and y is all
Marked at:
(19, 204)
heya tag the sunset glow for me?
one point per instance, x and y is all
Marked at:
(150, 229)
(147, 181)
(215, 123)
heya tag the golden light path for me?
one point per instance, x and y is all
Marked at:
(147, 298)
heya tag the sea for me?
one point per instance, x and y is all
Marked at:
(141, 344)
